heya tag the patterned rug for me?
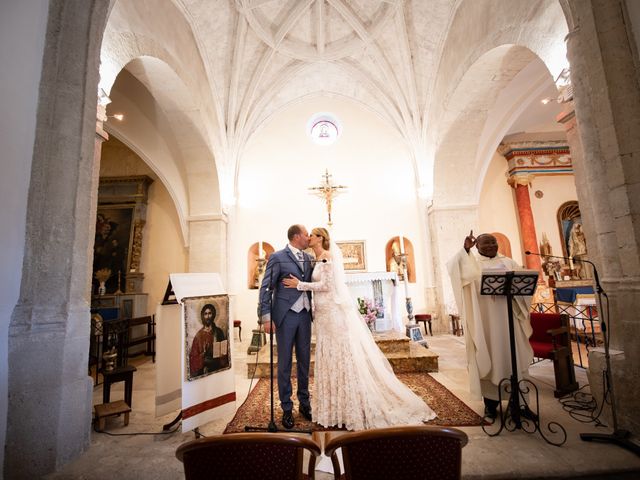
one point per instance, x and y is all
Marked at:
(451, 411)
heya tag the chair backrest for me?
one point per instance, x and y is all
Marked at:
(541, 323)
(409, 452)
(267, 456)
(116, 334)
(544, 343)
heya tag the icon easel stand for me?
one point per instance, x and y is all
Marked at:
(510, 284)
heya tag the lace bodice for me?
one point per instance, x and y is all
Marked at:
(322, 285)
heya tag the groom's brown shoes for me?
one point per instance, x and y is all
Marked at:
(306, 412)
(287, 420)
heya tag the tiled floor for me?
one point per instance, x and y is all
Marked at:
(511, 455)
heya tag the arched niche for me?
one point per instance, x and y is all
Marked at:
(568, 214)
(257, 262)
(392, 258)
(504, 245)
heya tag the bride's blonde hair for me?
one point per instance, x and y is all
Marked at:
(322, 232)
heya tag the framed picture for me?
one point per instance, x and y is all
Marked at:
(415, 333)
(206, 327)
(353, 255)
(112, 246)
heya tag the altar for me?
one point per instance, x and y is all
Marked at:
(382, 288)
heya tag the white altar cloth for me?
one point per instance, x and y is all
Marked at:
(361, 285)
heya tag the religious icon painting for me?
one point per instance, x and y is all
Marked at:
(206, 327)
(353, 255)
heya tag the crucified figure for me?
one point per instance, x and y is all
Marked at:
(328, 191)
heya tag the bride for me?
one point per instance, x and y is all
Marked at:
(354, 383)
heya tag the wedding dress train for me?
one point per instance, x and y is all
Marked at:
(354, 383)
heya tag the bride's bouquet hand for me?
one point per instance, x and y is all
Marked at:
(291, 282)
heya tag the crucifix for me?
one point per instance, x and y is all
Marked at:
(327, 191)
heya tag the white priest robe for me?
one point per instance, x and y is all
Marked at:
(486, 324)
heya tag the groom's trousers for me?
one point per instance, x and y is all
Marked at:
(294, 331)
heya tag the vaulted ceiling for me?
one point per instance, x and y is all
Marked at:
(235, 63)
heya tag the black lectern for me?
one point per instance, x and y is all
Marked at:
(510, 284)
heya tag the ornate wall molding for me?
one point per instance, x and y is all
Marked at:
(539, 158)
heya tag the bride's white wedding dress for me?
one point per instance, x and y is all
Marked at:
(354, 383)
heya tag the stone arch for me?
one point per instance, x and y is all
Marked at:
(467, 87)
(333, 80)
(165, 129)
(475, 68)
(463, 125)
(175, 75)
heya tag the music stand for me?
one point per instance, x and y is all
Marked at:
(510, 284)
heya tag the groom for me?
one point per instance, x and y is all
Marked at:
(290, 311)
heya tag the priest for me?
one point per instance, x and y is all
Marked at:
(486, 321)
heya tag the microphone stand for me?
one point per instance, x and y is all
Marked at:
(272, 427)
(619, 436)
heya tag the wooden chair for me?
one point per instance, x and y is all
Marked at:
(148, 338)
(550, 340)
(95, 344)
(425, 318)
(116, 336)
(456, 325)
(399, 453)
(267, 456)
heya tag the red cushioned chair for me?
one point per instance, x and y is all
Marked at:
(550, 340)
(399, 453)
(248, 456)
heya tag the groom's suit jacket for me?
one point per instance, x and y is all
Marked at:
(274, 297)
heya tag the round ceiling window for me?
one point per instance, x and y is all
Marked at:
(323, 128)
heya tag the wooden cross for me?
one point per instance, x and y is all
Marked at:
(327, 191)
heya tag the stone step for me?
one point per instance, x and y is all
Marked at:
(404, 355)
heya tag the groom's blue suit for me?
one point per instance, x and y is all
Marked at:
(292, 328)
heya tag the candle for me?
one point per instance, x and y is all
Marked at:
(401, 240)
(571, 263)
(260, 252)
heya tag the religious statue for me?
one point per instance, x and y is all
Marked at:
(395, 261)
(578, 249)
(545, 250)
(261, 263)
(577, 241)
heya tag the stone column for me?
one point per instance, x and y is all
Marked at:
(448, 225)
(604, 77)
(525, 217)
(208, 245)
(50, 391)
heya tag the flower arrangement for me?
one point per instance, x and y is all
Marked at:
(369, 311)
(103, 274)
